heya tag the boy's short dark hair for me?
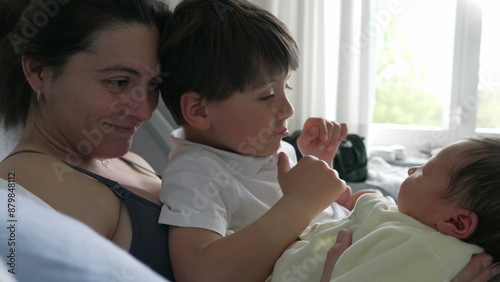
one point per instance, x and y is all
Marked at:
(217, 47)
(476, 186)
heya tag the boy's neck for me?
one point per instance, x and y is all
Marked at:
(198, 136)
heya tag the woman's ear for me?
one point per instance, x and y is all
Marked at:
(35, 72)
(461, 224)
(193, 111)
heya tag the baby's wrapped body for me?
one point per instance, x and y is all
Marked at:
(387, 246)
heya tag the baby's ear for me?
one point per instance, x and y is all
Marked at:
(460, 224)
(193, 110)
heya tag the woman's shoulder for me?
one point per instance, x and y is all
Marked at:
(62, 187)
(35, 167)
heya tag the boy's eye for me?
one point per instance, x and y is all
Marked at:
(267, 98)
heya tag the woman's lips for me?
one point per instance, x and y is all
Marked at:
(125, 130)
(122, 129)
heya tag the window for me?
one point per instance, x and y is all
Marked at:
(488, 116)
(413, 58)
(430, 87)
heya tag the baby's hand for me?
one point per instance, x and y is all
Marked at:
(321, 138)
(348, 199)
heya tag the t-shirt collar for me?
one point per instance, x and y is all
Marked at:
(245, 165)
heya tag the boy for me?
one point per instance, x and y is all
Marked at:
(455, 193)
(228, 64)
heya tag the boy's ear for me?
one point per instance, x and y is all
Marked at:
(193, 110)
(461, 224)
(35, 72)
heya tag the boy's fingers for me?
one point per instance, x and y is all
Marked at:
(283, 165)
(343, 131)
(337, 136)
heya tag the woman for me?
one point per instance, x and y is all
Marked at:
(81, 77)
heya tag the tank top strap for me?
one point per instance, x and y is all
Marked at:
(22, 151)
(139, 166)
(114, 186)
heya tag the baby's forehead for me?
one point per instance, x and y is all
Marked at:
(457, 148)
(454, 155)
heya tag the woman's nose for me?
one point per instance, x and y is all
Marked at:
(138, 103)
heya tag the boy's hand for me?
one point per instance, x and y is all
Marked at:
(321, 138)
(312, 184)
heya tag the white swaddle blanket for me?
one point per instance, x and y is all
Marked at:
(387, 246)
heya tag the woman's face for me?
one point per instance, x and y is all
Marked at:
(103, 95)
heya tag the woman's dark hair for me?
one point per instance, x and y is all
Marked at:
(51, 31)
(215, 47)
(476, 186)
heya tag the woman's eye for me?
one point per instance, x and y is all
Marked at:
(287, 86)
(117, 82)
(267, 98)
(154, 84)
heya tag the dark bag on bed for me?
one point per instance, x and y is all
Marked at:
(351, 160)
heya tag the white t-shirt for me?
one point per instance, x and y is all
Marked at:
(208, 188)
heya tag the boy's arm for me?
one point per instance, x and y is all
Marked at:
(321, 138)
(250, 254)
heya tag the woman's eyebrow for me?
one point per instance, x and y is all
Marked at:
(120, 69)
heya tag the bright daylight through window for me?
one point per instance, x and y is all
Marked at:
(488, 117)
(423, 65)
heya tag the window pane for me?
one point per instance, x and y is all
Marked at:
(414, 62)
(488, 116)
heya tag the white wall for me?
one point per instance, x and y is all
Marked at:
(7, 141)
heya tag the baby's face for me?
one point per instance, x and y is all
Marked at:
(421, 193)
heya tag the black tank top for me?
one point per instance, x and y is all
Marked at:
(149, 238)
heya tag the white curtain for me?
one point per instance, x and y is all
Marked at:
(334, 79)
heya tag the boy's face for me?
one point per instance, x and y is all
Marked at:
(421, 193)
(251, 122)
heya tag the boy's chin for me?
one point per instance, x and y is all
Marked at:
(261, 151)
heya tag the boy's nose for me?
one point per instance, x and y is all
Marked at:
(287, 109)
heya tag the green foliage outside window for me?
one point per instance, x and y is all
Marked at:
(401, 97)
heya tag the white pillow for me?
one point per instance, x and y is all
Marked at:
(41, 244)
